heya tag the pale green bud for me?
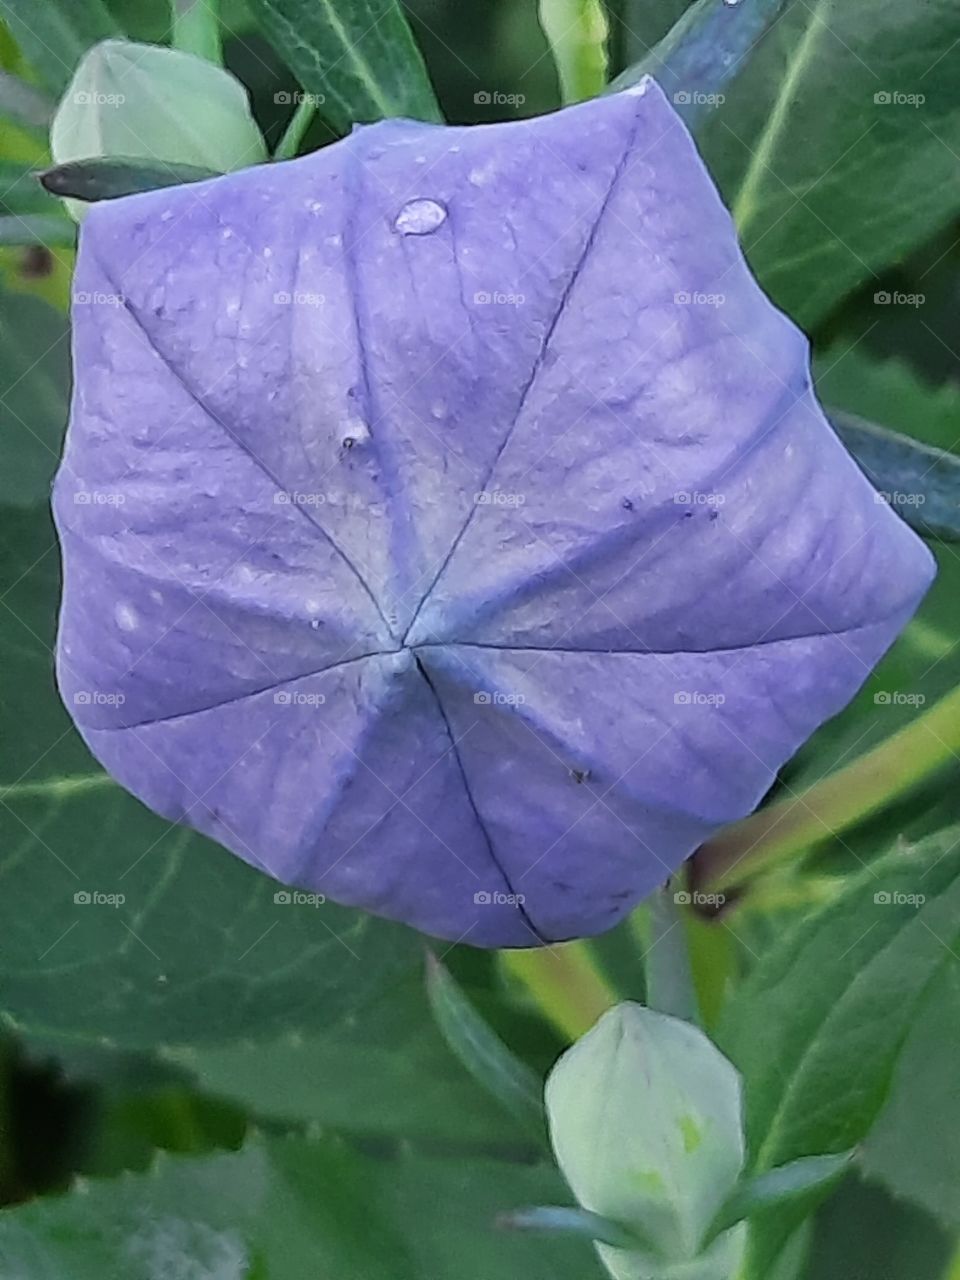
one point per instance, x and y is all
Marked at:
(152, 103)
(646, 1122)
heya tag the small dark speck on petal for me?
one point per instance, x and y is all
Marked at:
(580, 775)
(626, 504)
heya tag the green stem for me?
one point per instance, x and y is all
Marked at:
(792, 826)
(666, 963)
(566, 984)
(196, 29)
(577, 31)
(300, 122)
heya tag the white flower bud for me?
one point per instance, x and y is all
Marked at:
(157, 104)
(645, 1119)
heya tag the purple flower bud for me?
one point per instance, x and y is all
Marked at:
(449, 525)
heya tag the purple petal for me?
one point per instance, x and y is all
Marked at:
(449, 525)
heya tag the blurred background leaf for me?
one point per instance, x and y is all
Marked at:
(833, 167)
(54, 35)
(286, 1208)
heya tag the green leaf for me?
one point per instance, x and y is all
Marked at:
(785, 1185)
(831, 164)
(705, 49)
(888, 392)
(818, 1026)
(921, 482)
(108, 178)
(639, 24)
(54, 36)
(34, 384)
(914, 1148)
(50, 229)
(385, 1072)
(864, 1234)
(287, 1209)
(198, 951)
(483, 1053)
(25, 105)
(358, 61)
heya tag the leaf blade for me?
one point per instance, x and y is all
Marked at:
(360, 61)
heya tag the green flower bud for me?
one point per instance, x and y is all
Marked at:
(144, 101)
(646, 1122)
